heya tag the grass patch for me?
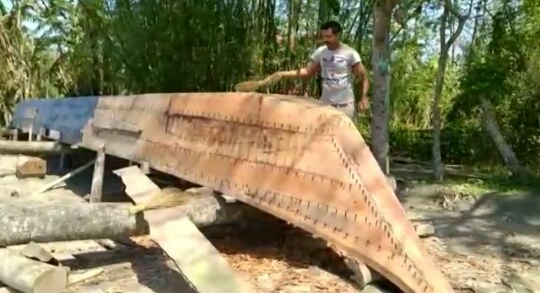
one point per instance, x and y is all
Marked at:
(502, 185)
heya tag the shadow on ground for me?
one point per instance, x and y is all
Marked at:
(501, 226)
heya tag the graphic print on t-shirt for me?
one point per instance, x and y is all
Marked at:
(335, 71)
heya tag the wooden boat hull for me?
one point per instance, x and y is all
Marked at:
(294, 158)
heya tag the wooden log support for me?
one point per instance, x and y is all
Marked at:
(32, 114)
(62, 162)
(15, 136)
(41, 132)
(363, 275)
(145, 167)
(25, 220)
(32, 147)
(96, 190)
(30, 276)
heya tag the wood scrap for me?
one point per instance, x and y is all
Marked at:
(80, 277)
(28, 166)
(35, 251)
(30, 276)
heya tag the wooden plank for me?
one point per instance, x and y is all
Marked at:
(197, 259)
(105, 122)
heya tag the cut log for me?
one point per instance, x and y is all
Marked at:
(30, 276)
(23, 222)
(30, 167)
(32, 147)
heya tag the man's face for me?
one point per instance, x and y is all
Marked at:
(328, 37)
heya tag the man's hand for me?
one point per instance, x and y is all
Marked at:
(363, 105)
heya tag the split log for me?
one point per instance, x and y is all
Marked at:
(22, 222)
(30, 276)
(32, 147)
(35, 251)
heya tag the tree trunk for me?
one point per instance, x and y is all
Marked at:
(26, 221)
(445, 46)
(30, 276)
(438, 165)
(507, 154)
(31, 147)
(382, 15)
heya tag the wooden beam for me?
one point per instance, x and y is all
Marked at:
(198, 260)
(96, 191)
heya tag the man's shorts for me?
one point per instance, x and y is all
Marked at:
(348, 108)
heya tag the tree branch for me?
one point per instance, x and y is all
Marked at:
(462, 18)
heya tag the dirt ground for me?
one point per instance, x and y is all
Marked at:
(484, 243)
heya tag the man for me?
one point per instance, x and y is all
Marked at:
(338, 62)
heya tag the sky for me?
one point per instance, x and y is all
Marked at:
(29, 24)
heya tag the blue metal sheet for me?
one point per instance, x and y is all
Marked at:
(65, 117)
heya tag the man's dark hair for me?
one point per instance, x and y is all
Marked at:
(332, 25)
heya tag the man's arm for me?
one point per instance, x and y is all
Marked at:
(360, 72)
(309, 70)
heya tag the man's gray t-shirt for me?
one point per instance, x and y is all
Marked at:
(336, 72)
